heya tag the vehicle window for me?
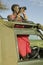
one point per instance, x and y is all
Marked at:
(34, 37)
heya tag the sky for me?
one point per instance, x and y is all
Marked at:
(34, 10)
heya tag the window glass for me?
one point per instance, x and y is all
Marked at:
(34, 37)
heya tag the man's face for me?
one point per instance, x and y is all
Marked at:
(16, 8)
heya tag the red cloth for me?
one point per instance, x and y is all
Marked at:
(23, 45)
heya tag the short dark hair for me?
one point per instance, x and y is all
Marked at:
(13, 6)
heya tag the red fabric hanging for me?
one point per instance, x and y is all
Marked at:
(23, 45)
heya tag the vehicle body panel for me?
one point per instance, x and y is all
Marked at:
(8, 44)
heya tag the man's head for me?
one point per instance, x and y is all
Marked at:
(15, 8)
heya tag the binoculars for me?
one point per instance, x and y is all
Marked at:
(23, 8)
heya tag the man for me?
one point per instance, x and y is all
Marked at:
(23, 41)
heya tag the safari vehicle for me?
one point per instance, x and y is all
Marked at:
(9, 46)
